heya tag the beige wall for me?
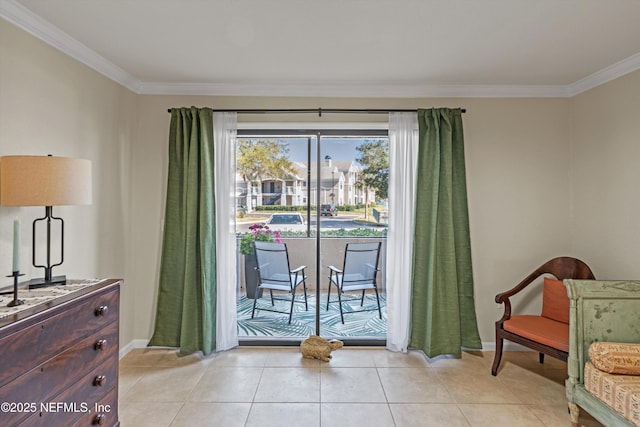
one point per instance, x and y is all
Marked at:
(518, 185)
(606, 178)
(528, 200)
(52, 104)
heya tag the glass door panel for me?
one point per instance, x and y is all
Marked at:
(347, 218)
(273, 194)
(315, 207)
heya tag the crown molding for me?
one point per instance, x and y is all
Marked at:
(22, 17)
(605, 75)
(339, 89)
(52, 35)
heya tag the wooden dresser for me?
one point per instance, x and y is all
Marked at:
(59, 359)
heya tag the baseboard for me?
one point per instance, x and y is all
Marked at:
(486, 346)
(506, 346)
(133, 344)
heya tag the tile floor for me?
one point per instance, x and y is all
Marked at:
(275, 386)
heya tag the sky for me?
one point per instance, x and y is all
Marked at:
(338, 148)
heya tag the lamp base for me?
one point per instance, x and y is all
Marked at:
(15, 303)
(41, 282)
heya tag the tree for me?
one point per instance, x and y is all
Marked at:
(374, 157)
(263, 158)
(260, 159)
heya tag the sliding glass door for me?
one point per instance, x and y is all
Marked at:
(317, 192)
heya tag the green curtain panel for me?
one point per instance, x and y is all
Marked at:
(186, 311)
(443, 316)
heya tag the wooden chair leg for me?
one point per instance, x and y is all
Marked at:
(497, 358)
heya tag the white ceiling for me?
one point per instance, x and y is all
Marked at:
(344, 47)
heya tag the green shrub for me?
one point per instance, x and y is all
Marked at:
(341, 232)
(278, 208)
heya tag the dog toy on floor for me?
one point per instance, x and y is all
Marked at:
(316, 347)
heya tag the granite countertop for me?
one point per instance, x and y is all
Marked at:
(35, 297)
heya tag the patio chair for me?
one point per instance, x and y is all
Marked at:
(274, 274)
(358, 274)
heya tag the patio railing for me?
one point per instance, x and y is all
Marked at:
(302, 251)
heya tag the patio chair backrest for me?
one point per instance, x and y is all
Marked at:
(273, 262)
(361, 262)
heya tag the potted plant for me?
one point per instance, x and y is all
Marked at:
(261, 233)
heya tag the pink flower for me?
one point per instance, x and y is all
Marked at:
(258, 232)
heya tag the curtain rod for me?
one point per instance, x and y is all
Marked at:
(318, 110)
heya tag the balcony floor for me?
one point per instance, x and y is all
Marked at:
(357, 324)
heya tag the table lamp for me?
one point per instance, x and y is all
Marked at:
(45, 181)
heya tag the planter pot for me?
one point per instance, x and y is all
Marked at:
(251, 277)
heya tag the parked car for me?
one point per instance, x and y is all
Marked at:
(290, 221)
(328, 210)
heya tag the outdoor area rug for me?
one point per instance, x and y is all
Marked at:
(357, 324)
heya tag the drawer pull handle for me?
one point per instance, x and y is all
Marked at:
(102, 310)
(101, 344)
(99, 419)
(99, 381)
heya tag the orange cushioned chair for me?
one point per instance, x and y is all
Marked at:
(547, 333)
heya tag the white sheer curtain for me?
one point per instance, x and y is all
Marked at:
(403, 159)
(224, 146)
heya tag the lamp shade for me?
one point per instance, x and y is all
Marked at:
(44, 181)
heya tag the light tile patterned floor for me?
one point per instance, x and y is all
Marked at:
(271, 386)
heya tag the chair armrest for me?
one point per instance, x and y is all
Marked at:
(335, 269)
(503, 298)
(561, 268)
(301, 268)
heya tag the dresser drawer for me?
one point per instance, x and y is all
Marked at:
(81, 400)
(103, 413)
(55, 375)
(55, 330)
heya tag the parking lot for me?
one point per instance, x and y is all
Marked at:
(344, 221)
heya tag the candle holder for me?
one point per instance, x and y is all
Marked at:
(15, 301)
